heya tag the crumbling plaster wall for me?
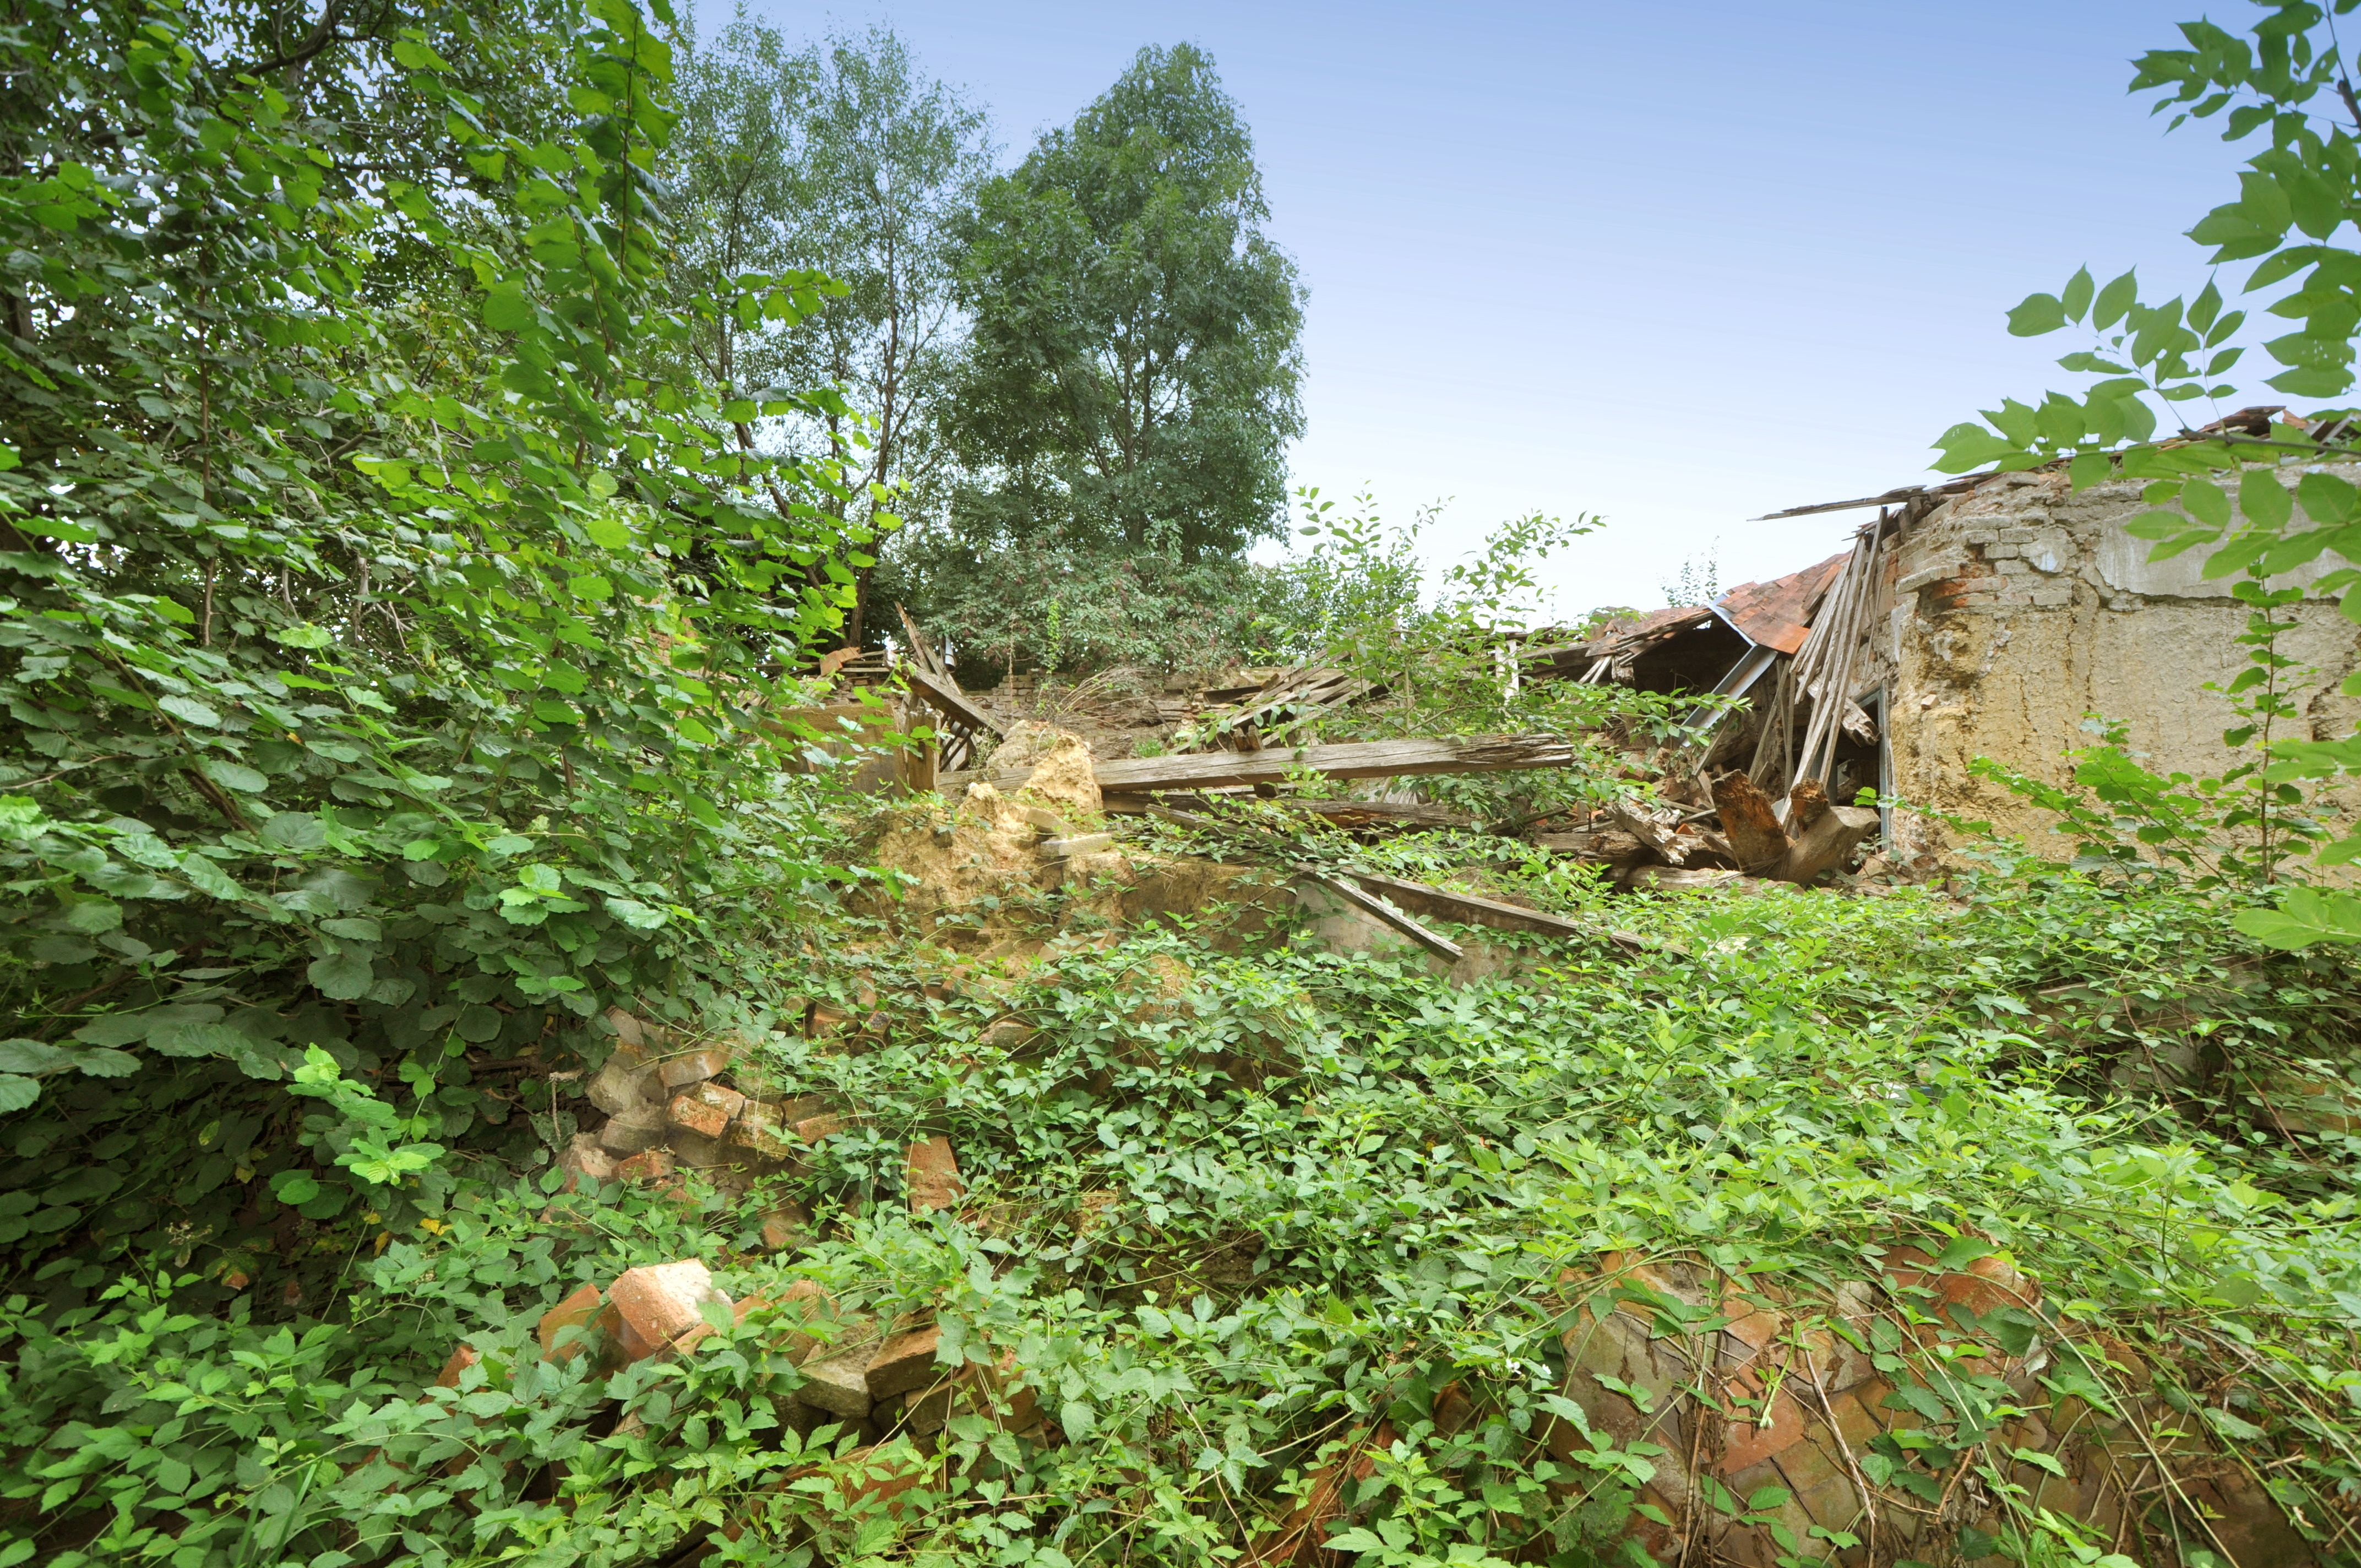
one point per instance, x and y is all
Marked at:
(2021, 606)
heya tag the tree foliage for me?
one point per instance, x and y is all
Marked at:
(1132, 377)
(839, 156)
(390, 624)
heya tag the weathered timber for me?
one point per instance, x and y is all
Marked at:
(1344, 812)
(1468, 909)
(945, 697)
(1751, 823)
(1346, 760)
(1806, 803)
(1826, 842)
(1601, 844)
(1379, 910)
(1669, 879)
(1654, 835)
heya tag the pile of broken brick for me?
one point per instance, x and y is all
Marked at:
(878, 1381)
(671, 1108)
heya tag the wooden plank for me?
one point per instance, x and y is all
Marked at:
(1345, 813)
(1468, 909)
(1346, 760)
(1379, 910)
(947, 698)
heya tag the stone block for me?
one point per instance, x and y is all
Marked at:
(629, 1030)
(649, 1164)
(651, 1307)
(1047, 821)
(585, 1161)
(579, 1312)
(693, 1066)
(932, 1177)
(692, 1150)
(1077, 844)
(706, 1108)
(624, 1084)
(2052, 597)
(837, 1386)
(930, 1412)
(903, 1362)
(629, 1134)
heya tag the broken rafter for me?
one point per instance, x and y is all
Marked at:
(1350, 760)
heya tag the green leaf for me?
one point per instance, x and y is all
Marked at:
(2036, 314)
(295, 831)
(634, 914)
(31, 1056)
(2327, 499)
(345, 977)
(2079, 291)
(2114, 300)
(234, 775)
(294, 1187)
(15, 1092)
(2306, 917)
(190, 710)
(506, 309)
(2264, 500)
(2206, 501)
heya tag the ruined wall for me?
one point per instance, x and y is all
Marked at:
(2011, 612)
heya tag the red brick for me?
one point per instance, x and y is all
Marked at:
(1747, 1446)
(786, 1227)
(464, 1357)
(706, 1108)
(905, 1362)
(932, 1177)
(655, 1307)
(812, 1129)
(650, 1165)
(694, 1066)
(579, 1310)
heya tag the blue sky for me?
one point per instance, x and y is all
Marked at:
(1675, 266)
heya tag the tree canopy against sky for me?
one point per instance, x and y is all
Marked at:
(841, 155)
(1136, 363)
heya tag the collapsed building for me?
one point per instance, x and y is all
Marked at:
(1982, 618)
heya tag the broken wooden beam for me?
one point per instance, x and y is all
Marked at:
(1346, 760)
(947, 698)
(1384, 912)
(1344, 812)
(1824, 845)
(1751, 823)
(1469, 909)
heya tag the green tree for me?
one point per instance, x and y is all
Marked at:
(841, 156)
(1133, 378)
(388, 625)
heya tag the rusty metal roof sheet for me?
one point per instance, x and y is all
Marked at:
(1777, 614)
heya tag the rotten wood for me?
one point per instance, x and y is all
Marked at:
(1751, 823)
(1824, 845)
(1349, 759)
(1600, 844)
(1806, 803)
(1652, 834)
